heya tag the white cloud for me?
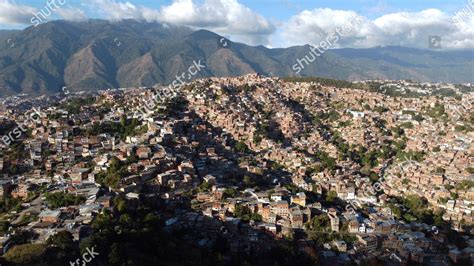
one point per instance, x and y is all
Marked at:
(12, 13)
(72, 13)
(410, 29)
(227, 17)
(240, 23)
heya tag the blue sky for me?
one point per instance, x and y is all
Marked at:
(276, 23)
(284, 9)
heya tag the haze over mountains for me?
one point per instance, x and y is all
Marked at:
(98, 54)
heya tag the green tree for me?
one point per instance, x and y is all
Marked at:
(454, 195)
(396, 211)
(63, 240)
(242, 147)
(62, 199)
(27, 254)
(243, 212)
(256, 217)
(331, 196)
(319, 223)
(230, 193)
(125, 219)
(249, 181)
(4, 225)
(205, 186)
(115, 256)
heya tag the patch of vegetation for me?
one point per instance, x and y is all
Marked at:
(244, 213)
(331, 196)
(416, 208)
(61, 199)
(465, 185)
(124, 128)
(418, 156)
(323, 81)
(74, 106)
(230, 193)
(408, 125)
(437, 111)
(59, 249)
(113, 175)
(242, 147)
(4, 225)
(319, 223)
(27, 254)
(8, 204)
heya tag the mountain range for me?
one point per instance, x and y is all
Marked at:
(98, 54)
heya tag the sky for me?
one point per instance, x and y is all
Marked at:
(277, 23)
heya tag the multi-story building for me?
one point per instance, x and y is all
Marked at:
(280, 208)
(299, 199)
(334, 222)
(296, 218)
(366, 243)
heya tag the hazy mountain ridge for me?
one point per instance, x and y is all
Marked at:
(98, 54)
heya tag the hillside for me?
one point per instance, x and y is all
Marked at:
(99, 54)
